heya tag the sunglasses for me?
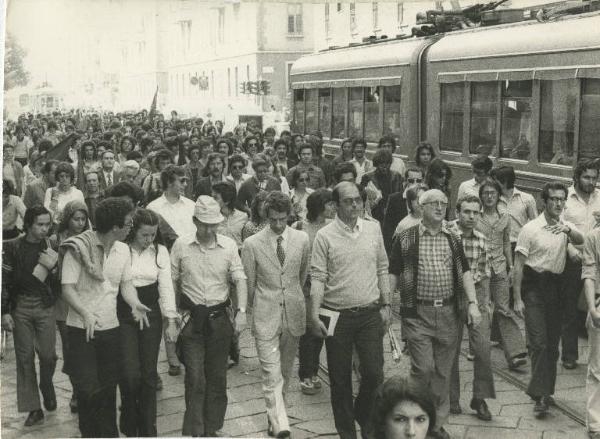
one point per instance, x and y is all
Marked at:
(414, 180)
(237, 167)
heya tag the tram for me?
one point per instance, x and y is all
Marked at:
(38, 100)
(527, 94)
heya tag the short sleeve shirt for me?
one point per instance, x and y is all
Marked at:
(99, 297)
(435, 279)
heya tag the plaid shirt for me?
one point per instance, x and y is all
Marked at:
(476, 252)
(435, 279)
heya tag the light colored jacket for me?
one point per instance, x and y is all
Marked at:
(275, 292)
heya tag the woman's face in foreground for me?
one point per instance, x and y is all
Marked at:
(406, 420)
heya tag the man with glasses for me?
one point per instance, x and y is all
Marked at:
(437, 295)
(540, 258)
(396, 208)
(481, 167)
(95, 268)
(237, 165)
(260, 181)
(315, 174)
(349, 279)
(583, 201)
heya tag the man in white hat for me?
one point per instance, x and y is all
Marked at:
(201, 266)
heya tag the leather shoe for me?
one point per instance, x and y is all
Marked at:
(569, 364)
(455, 409)
(541, 405)
(480, 406)
(35, 417)
(439, 434)
(283, 434)
(174, 370)
(49, 399)
(516, 363)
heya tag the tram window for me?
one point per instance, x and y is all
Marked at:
(391, 111)
(484, 100)
(325, 111)
(557, 121)
(49, 101)
(339, 113)
(311, 111)
(452, 115)
(590, 119)
(299, 109)
(515, 134)
(355, 112)
(372, 97)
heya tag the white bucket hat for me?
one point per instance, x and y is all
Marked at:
(207, 210)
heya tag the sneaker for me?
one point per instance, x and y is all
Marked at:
(308, 388)
(316, 381)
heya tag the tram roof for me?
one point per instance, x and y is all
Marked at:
(393, 53)
(532, 37)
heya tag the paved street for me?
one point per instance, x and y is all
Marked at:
(311, 416)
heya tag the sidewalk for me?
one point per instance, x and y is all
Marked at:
(310, 416)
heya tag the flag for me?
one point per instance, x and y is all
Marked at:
(60, 151)
(152, 111)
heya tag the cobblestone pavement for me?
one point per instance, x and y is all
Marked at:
(311, 416)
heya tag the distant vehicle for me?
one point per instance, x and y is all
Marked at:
(40, 100)
(527, 94)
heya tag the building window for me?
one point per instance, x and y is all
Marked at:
(515, 133)
(484, 108)
(452, 116)
(221, 28)
(400, 14)
(237, 82)
(228, 82)
(185, 28)
(294, 18)
(375, 16)
(353, 18)
(339, 7)
(557, 121)
(590, 119)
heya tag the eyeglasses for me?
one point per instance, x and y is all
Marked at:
(128, 224)
(237, 167)
(436, 204)
(489, 193)
(556, 199)
(414, 180)
(252, 144)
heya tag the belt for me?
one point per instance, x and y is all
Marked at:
(436, 302)
(368, 307)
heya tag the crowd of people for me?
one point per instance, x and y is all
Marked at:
(124, 230)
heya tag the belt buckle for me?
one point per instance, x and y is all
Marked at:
(438, 302)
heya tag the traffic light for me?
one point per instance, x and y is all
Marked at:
(253, 87)
(243, 87)
(264, 87)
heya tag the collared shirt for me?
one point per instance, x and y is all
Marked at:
(361, 168)
(495, 233)
(349, 263)
(521, 208)
(62, 198)
(203, 274)
(178, 215)
(469, 187)
(109, 177)
(398, 166)
(475, 248)
(435, 279)
(273, 237)
(13, 213)
(580, 213)
(238, 183)
(543, 250)
(591, 258)
(300, 201)
(97, 296)
(232, 226)
(148, 267)
(407, 222)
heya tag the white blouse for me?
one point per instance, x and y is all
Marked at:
(145, 271)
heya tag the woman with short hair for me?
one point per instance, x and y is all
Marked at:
(57, 197)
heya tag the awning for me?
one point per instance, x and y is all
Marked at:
(547, 73)
(345, 83)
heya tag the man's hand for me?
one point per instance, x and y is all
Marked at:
(318, 328)
(89, 324)
(519, 308)
(171, 331)
(48, 259)
(386, 316)
(8, 324)
(139, 314)
(240, 322)
(557, 228)
(474, 314)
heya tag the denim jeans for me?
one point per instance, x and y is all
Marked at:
(206, 376)
(95, 374)
(362, 330)
(139, 358)
(34, 331)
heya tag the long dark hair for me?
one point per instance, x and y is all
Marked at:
(145, 217)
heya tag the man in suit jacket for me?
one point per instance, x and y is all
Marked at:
(260, 181)
(107, 176)
(276, 263)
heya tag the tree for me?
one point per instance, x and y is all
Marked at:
(14, 71)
